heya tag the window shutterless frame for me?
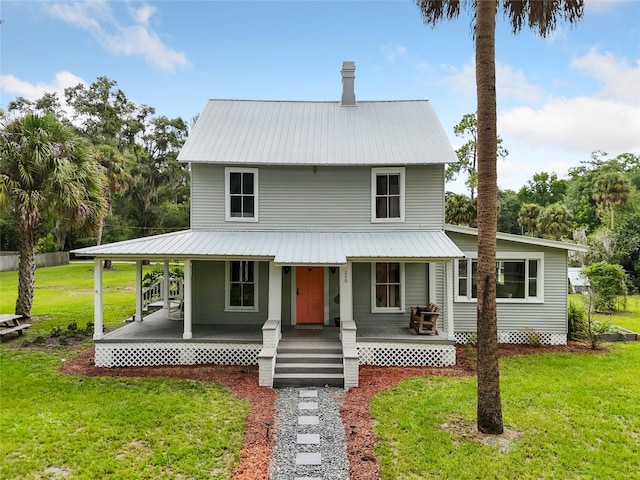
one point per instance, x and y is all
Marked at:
(387, 287)
(519, 277)
(241, 197)
(241, 286)
(387, 194)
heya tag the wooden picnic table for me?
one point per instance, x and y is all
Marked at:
(10, 323)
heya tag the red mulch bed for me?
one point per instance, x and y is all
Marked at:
(242, 381)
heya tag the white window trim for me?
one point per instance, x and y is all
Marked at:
(227, 194)
(516, 256)
(374, 307)
(227, 286)
(387, 170)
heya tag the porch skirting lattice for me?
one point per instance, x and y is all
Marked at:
(175, 353)
(519, 337)
(406, 354)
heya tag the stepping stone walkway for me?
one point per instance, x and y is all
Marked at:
(310, 442)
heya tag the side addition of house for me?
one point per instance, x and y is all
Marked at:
(318, 244)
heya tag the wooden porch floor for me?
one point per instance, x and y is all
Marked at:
(157, 327)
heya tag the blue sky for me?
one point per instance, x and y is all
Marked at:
(559, 98)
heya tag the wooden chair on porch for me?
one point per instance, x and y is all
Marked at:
(423, 319)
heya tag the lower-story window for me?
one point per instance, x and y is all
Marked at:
(517, 279)
(242, 285)
(387, 287)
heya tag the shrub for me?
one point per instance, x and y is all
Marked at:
(47, 244)
(57, 331)
(576, 317)
(607, 282)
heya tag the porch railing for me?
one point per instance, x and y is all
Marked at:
(154, 292)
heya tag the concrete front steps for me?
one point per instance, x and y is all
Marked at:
(304, 364)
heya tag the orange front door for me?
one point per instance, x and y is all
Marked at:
(310, 295)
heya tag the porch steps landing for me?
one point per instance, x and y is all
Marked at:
(301, 363)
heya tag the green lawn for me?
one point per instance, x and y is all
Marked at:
(629, 318)
(579, 416)
(60, 426)
(64, 294)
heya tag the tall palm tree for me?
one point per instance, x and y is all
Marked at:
(460, 210)
(556, 220)
(611, 189)
(45, 168)
(541, 16)
(529, 218)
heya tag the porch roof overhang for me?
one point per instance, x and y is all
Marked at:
(285, 247)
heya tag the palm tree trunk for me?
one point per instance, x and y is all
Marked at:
(27, 242)
(613, 222)
(489, 401)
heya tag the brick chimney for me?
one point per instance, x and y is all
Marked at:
(348, 77)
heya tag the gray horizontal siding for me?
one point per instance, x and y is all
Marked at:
(209, 296)
(331, 198)
(416, 293)
(550, 316)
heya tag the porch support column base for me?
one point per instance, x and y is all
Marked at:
(350, 356)
(266, 366)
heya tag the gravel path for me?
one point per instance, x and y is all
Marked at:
(310, 441)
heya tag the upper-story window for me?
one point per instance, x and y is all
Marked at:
(241, 194)
(387, 194)
(518, 278)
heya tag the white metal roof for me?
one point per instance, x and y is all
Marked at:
(285, 248)
(318, 133)
(542, 242)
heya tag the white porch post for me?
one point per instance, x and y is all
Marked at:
(165, 286)
(272, 328)
(139, 298)
(98, 332)
(350, 356)
(448, 276)
(188, 334)
(275, 292)
(346, 293)
(432, 283)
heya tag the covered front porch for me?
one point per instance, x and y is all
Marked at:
(216, 323)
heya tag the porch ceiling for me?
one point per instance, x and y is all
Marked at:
(286, 248)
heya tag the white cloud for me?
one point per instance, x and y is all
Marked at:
(510, 83)
(118, 37)
(621, 81)
(578, 124)
(609, 120)
(143, 14)
(390, 51)
(34, 91)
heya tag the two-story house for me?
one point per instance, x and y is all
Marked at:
(307, 212)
